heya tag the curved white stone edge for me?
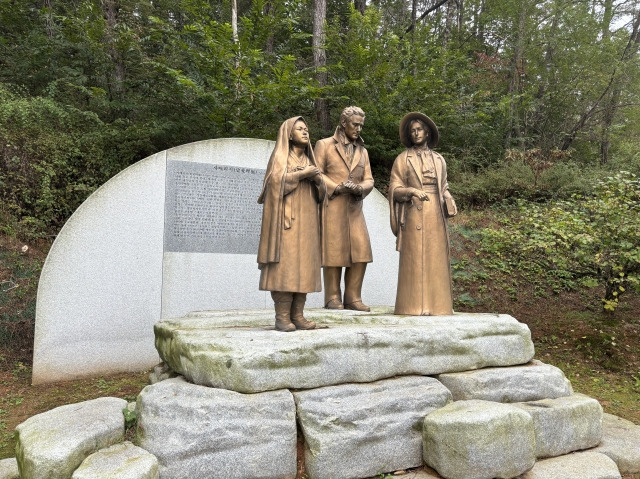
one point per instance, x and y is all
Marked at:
(370, 347)
(99, 290)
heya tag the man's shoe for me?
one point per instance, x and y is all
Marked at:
(334, 304)
(358, 306)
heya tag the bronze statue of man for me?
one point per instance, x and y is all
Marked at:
(344, 163)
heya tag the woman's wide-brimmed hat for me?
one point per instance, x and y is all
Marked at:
(434, 136)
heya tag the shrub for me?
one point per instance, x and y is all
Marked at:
(590, 239)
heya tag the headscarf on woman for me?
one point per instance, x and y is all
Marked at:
(273, 193)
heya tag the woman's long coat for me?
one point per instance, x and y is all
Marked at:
(289, 252)
(422, 238)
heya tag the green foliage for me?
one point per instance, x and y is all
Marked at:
(85, 92)
(52, 156)
(130, 418)
(586, 240)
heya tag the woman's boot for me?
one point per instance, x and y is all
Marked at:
(282, 304)
(297, 306)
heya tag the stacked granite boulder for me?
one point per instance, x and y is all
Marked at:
(364, 394)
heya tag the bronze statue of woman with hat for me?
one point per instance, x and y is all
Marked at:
(420, 205)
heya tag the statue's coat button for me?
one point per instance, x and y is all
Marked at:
(419, 227)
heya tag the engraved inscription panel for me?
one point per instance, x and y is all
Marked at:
(212, 208)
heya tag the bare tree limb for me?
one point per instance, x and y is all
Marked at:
(427, 12)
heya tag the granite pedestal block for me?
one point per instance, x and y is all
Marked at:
(200, 432)
(242, 351)
(528, 382)
(359, 430)
(479, 440)
(565, 424)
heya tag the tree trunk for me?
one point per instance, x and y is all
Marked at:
(617, 87)
(549, 53)
(517, 69)
(460, 8)
(110, 9)
(607, 16)
(425, 13)
(320, 60)
(450, 15)
(414, 16)
(234, 20)
(613, 89)
(360, 5)
(49, 24)
(478, 22)
(267, 11)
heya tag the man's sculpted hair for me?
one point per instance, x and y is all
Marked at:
(349, 111)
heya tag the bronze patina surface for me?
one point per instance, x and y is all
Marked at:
(420, 204)
(344, 163)
(289, 251)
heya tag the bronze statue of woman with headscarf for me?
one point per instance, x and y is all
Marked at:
(420, 205)
(289, 254)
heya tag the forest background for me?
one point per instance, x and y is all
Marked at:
(537, 103)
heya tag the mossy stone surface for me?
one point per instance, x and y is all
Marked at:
(479, 440)
(565, 424)
(53, 444)
(241, 350)
(120, 461)
(359, 430)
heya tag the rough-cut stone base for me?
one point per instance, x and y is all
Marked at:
(565, 424)
(621, 442)
(528, 382)
(242, 351)
(479, 440)
(121, 461)
(53, 444)
(359, 430)
(581, 465)
(9, 469)
(201, 432)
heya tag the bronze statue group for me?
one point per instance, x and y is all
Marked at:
(312, 218)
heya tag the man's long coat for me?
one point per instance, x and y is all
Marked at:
(345, 239)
